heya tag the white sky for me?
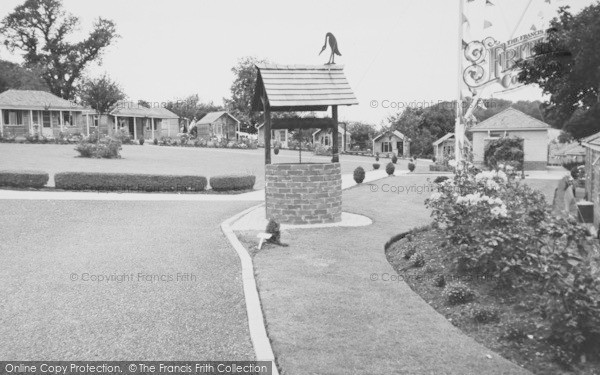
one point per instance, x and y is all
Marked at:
(396, 50)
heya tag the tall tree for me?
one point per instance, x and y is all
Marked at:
(42, 31)
(362, 134)
(14, 76)
(242, 91)
(102, 94)
(567, 67)
(191, 107)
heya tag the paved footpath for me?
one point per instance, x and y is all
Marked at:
(187, 304)
(326, 314)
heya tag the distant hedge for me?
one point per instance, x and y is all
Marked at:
(226, 183)
(24, 179)
(127, 182)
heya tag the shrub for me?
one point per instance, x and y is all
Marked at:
(394, 159)
(483, 314)
(390, 168)
(440, 179)
(458, 293)
(127, 182)
(359, 175)
(506, 150)
(418, 260)
(233, 182)
(155, 141)
(23, 179)
(142, 140)
(276, 150)
(514, 332)
(123, 137)
(107, 148)
(322, 150)
(375, 165)
(440, 168)
(573, 164)
(377, 157)
(433, 159)
(411, 166)
(439, 281)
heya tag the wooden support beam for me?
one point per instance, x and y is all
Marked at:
(87, 123)
(61, 120)
(302, 123)
(267, 114)
(335, 156)
(2, 122)
(152, 127)
(31, 121)
(134, 129)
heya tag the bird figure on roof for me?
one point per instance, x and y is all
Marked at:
(334, 47)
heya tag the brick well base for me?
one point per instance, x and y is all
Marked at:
(304, 193)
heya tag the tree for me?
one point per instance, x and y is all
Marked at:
(102, 94)
(13, 76)
(191, 107)
(242, 91)
(565, 66)
(362, 134)
(42, 31)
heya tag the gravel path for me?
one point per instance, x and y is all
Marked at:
(50, 309)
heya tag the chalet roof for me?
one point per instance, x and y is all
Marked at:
(444, 138)
(571, 149)
(35, 100)
(131, 109)
(510, 120)
(211, 117)
(592, 141)
(302, 87)
(340, 131)
(395, 132)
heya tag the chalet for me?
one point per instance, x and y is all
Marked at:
(325, 137)
(219, 125)
(513, 123)
(392, 142)
(443, 148)
(281, 136)
(25, 112)
(139, 121)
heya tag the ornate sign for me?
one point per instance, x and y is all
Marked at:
(492, 61)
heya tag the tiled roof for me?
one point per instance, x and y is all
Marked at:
(592, 141)
(510, 119)
(340, 131)
(35, 100)
(211, 117)
(131, 109)
(302, 86)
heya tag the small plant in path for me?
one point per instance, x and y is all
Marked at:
(394, 159)
(375, 165)
(410, 251)
(142, 140)
(273, 228)
(418, 260)
(411, 166)
(458, 293)
(359, 175)
(483, 314)
(276, 150)
(155, 141)
(439, 281)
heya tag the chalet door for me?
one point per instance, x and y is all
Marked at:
(400, 147)
(47, 124)
(130, 126)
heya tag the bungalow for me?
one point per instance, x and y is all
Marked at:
(281, 136)
(592, 173)
(325, 137)
(443, 148)
(219, 125)
(392, 142)
(25, 112)
(139, 121)
(514, 123)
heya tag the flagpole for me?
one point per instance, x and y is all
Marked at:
(458, 127)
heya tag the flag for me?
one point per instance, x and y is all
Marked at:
(487, 24)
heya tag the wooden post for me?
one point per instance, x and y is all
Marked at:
(31, 121)
(345, 136)
(267, 113)
(134, 128)
(335, 156)
(60, 120)
(152, 127)
(2, 122)
(87, 123)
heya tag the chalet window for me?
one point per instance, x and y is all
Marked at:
(218, 129)
(95, 121)
(67, 118)
(386, 146)
(497, 134)
(35, 118)
(282, 136)
(157, 123)
(13, 117)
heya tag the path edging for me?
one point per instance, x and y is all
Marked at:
(256, 321)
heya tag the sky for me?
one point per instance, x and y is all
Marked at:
(395, 53)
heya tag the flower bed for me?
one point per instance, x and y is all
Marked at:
(23, 179)
(185, 140)
(541, 272)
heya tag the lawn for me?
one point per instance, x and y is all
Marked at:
(49, 310)
(331, 307)
(53, 158)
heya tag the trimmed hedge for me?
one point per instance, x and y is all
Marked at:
(232, 182)
(24, 179)
(127, 182)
